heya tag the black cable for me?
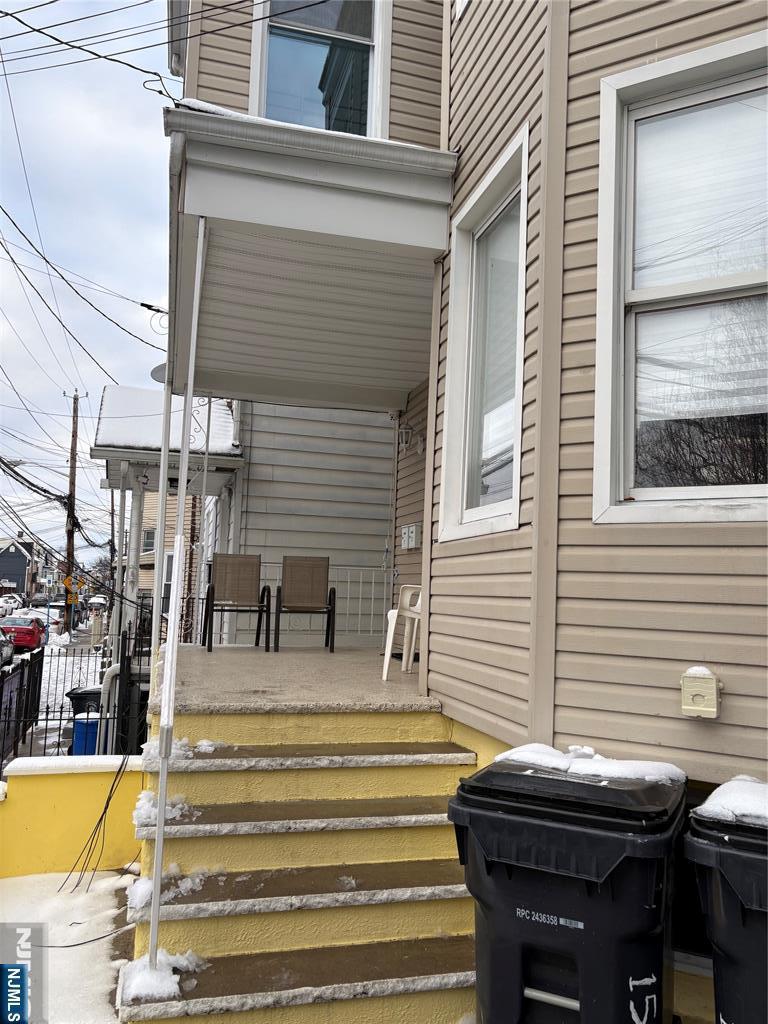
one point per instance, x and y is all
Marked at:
(72, 21)
(114, 35)
(149, 46)
(112, 58)
(86, 942)
(26, 407)
(53, 313)
(34, 7)
(69, 284)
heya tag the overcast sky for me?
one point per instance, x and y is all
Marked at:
(96, 157)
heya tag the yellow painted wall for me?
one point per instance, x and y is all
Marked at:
(46, 819)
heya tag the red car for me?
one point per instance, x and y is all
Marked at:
(27, 634)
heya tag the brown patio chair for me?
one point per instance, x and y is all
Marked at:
(304, 588)
(236, 587)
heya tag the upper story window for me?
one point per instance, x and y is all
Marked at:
(318, 64)
(147, 540)
(681, 418)
(480, 488)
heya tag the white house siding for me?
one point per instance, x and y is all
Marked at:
(320, 482)
(637, 604)
(480, 588)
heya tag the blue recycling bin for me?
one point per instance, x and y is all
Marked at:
(84, 734)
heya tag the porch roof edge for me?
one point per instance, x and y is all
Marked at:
(207, 123)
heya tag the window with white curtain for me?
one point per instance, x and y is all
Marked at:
(696, 335)
(681, 420)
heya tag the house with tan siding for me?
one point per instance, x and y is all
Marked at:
(505, 262)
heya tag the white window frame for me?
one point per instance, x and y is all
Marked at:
(379, 69)
(662, 86)
(145, 550)
(508, 177)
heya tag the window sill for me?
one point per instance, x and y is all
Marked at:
(690, 510)
(478, 528)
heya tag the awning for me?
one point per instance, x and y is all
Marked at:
(318, 266)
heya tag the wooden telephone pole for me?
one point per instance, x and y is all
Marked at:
(68, 615)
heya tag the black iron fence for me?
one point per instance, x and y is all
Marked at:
(69, 700)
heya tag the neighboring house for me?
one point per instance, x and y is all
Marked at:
(533, 234)
(18, 565)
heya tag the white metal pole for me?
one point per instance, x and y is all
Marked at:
(167, 696)
(162, 500)
(134, 550)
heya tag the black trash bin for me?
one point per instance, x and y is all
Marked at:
(571, 878)
(731, 860)
(85, 700)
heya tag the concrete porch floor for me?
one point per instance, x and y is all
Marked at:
(245, 679)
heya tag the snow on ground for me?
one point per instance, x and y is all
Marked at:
(145, 812)
(81, 979)
(743, 799)
(584, 761)
(64, 670)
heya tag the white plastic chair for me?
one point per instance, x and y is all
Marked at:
(409, 608)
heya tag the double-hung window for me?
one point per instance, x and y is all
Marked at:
(681, 422)
(147, 540)
(319, 65)
(481, 460)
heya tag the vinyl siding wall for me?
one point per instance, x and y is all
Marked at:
(149, 522)
(480, 588)
(219, 64)
(637, 604)
(409, 489)
(320, 482)
(414, 94)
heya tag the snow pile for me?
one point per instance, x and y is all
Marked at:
(81, 978)
(62, 672)
(140, 981)
(581, 761)
(743, 799)
(181, 750)
(56, 640)
(3, 791)
(145, 812)
(699, 670)
(140, 894)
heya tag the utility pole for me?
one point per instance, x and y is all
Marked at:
(68, 616)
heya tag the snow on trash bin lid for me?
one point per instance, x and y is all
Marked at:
(556, 783)
(743, 800)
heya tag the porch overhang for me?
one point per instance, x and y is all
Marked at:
(318, 269)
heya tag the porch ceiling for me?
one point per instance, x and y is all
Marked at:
(318, 266)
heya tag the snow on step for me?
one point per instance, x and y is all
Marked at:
(215, 757)
(259, 892)
(303, 816)
(305, 976)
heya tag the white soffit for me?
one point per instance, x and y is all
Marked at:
(317, 287)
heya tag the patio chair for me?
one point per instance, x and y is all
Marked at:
(236, 587)
(409, 609)
(304, 588)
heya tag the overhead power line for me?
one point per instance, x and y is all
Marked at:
(34, 7)
(113, 35)
(79, 294)
(114, 57)
(72, 21)
(54, 314)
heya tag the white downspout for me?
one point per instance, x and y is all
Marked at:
(167, 695)
(134, 549)
(117, 610)
(201, 541)
(162, 501)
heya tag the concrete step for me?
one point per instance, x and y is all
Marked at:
(302, 833)
(274, 910)
(280, 772)
(414, 981)
(396, 721)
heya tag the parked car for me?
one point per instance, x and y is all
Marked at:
(7, 604)
(59, 607)
(6, 648)
(39, 601)
(40, 616)
(27, 634)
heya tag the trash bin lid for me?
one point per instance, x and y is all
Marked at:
(735, 816)
(518, 788)
(84, 691)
